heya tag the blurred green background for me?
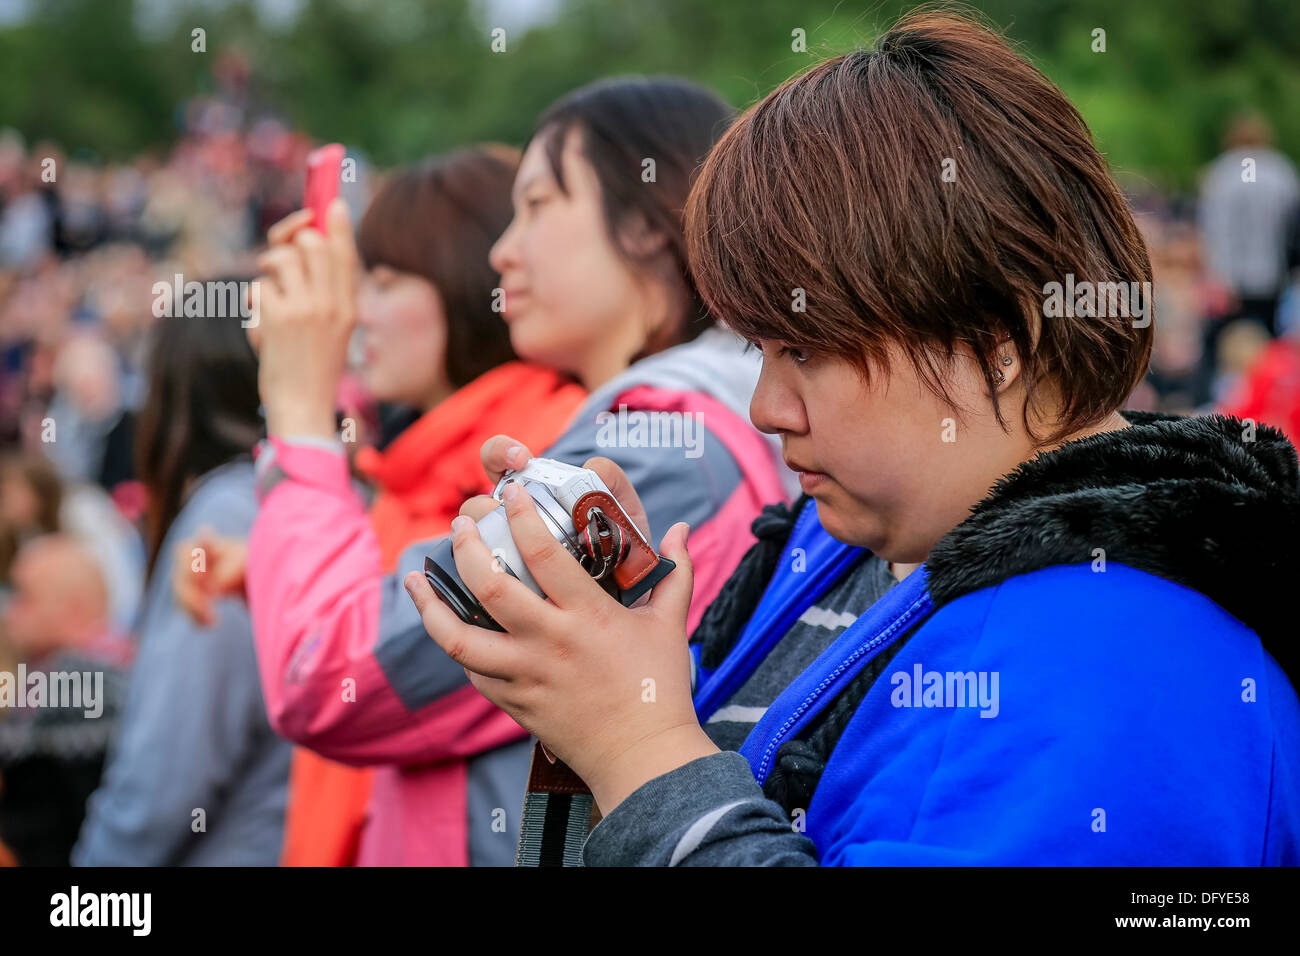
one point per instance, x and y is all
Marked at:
(402, 78)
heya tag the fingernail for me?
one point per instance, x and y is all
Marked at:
(511, 451)
(512, 491)
(460, 523)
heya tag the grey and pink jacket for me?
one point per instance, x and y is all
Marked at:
(347, 668)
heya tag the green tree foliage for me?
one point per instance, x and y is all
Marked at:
(401, 78)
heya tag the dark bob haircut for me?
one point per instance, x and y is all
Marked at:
(438, 220)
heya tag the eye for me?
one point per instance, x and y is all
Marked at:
(799, 356)
(382, 277)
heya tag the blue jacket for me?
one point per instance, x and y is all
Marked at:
(1092, 668)
(1179, 748)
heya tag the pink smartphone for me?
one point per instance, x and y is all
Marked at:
(323, 168)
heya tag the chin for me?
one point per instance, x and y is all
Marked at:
(850, 525)
(374, 387)
(535, 346)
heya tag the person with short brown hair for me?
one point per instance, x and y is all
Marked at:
(1007, 623)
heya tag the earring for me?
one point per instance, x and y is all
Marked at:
(999, 377)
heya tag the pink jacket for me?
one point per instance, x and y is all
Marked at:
(346, 666)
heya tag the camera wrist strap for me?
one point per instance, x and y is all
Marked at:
(558, 807)
(558, 814)
(559, 810)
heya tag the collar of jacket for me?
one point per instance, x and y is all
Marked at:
(437, 456)
(1209, 502)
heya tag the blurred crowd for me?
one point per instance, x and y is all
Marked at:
(82, 243)
(1225, 287)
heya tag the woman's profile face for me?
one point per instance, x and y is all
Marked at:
(403, 336)
(570, 299)
(891, 465)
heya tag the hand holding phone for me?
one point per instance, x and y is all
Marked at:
(307, 306)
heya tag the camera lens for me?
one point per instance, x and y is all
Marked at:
(440, 571)
(494, 530)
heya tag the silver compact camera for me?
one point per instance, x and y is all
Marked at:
(581, 514)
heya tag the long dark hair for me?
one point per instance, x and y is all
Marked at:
(202, 411)
(623, 122)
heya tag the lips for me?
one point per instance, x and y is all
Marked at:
(809, 480)
(511, 297)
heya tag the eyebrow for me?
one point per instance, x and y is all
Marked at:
(522, 186)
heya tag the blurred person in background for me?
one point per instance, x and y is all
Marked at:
(430, 341)
(31, 496)
(1186, 298)
(36, 500)
(87, 406)
(51, 756)
(1240, 346)
(29, 208)
(195, 775)
(596, 287)
(1248, 197)
(1268, 391)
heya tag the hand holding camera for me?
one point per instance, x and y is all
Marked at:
(581, 514)
(604, 685)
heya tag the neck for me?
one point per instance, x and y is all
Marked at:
(650, 315)
(1013, 454)
(438, 393)
(597, 373)
(900, 571)
(1113, 423)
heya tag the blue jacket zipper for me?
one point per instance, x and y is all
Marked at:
(887, 636)
(716, 687)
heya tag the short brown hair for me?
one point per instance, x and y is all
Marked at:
(438, 220)
(832, 184)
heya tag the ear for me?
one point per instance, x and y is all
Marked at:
(638, 238)
(1006, 365)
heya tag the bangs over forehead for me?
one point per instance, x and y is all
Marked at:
(921, 194)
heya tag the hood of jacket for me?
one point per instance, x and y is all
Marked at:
(1212, 503)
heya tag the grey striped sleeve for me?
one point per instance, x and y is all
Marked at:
(709, 812)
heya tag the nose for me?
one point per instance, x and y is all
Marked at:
(365, 304)
(775, 407)
(504, 252)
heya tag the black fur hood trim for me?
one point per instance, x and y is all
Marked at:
(1187, 499)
